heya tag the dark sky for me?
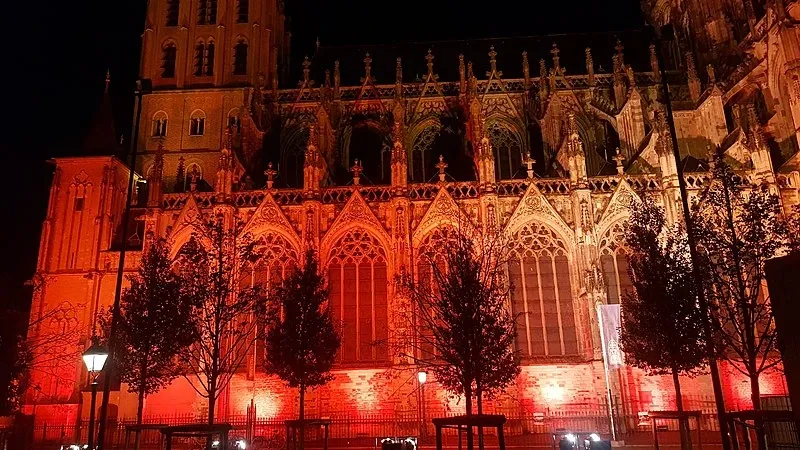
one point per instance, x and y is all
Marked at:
(60, 50)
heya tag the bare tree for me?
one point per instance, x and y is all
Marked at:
(739, 227)
(227, 314)
(467, 332)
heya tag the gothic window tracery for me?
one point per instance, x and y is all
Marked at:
(541, 296)
(240, 57)
(507, 148)
(423, 157)
(169, 53)
(430, 255)
(357, 276)
(614, 264)
(292, 157)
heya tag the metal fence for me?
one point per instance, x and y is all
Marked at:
(364, 430)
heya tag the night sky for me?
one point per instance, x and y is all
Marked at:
(60, 50)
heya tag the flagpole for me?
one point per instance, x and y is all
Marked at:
(605, 370)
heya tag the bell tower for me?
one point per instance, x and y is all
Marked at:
(204, 57)
(189, 43)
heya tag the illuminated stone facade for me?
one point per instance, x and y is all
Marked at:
(533, 156)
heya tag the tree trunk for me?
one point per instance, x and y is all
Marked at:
(212, 404)
(140, 407)
(468, 409)
(755, 397)
(479, 398)
(302, 415)
(686, 437)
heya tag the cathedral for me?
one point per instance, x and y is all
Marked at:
(372, 156)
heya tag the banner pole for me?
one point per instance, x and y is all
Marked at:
(605, 371)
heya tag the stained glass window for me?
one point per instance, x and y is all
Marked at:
(507, 149)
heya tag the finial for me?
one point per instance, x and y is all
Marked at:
(328, 78)
(368, 68)
(529, 162)
(306, 70)
(429, 58)
(620, 159)
(194, 177)
(317, 43)
(631, 76)
(398, 72)
(462, 73)
(526, 69)
(712, 75)
(556, 59)
(572, 124)
(356, 170)
(654, 66)
(441, 166)
(270, 174)
(542, 79)
(711, 154)
(693, 78)
(108, 79)
(619, 48)
(492, 59)
(336, 78)
(590, 65)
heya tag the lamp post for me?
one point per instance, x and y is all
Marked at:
(422, 377)
(95, 358)
(143, 86)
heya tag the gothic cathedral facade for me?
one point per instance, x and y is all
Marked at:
(372, 158)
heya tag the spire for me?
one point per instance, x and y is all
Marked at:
(712, 76)
(398, 79)
(694, 79)
(367, 69)
(306, 71)
(526, 69)
(441, 165)
(462, 74)
(429, 62)
(620, 54)
(556, 59)
(590, 66)
(493, 62)
(654, 67)
(336, 79)
(102, 138)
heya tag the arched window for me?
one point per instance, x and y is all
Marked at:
(507, 151)
(293, 156)
(169, 54)
(240, 57)
(357, 276)
(197, 123)
(430, 254)
(369, 144)
(234, 121)
(275, 257)
(204, 59)
(243, 11)
(207, 12)
(173, 8)
(423, 157)
(539, 272)
(159, 124)
(614, 264)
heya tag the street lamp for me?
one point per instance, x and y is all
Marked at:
(95, 358)
(422, 377)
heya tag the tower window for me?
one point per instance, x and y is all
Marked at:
(204, 59)
(243, 11)
(160, 124)
(207, 12)
(197, 123)
(234, 121)
(173, 7)
(168, 56)
(240, 58)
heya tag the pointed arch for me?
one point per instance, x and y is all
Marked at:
(508, 145)
(358, 278)
(535, 206)
(269, 218)
(355, 214)
(618, 209)
(442, 211)
(421, 148)
(614, 263)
